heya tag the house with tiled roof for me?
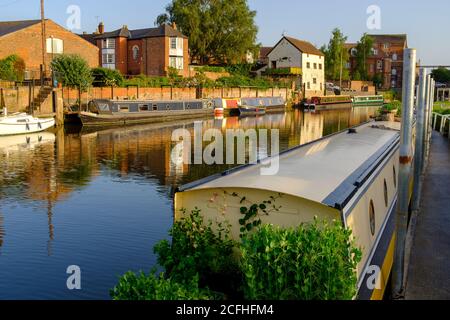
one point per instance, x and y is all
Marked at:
(150, 51)
(385, 59)
(301, 58)
(24, 39)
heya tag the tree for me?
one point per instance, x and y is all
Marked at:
(12, 68)
(104, 77)
(219, 31)
(441, 75)
(336, 57)
(364, 50)
(72, 71)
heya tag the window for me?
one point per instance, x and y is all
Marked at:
(314, 81)
(55, 46)
(321, 86)
(395, 57)
(309, 85)
(274, 64)
(308, 65)
(176, 62)
(320, 66)
(387, 45)
(109, 43)
(135, 53)
(394, 72)
(374, 52)
(108, 58)
(353, 52)
(386, 193)
(395, 177)
(173, 43)
(315, 65)
(372, 218)
(379, 64)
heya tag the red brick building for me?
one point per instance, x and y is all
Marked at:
(24, 38)
(145, 51)
(385, 60)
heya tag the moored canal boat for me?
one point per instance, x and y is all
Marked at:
(230, 106)
(350, 176)
(368, 101)
(128, 112)
(251, 111)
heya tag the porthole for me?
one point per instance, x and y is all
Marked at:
(168, 107)
(372, 217)
(395, 177)
(386, 194)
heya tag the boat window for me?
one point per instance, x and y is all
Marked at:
(155, 107)
(386, 194)
(22, 121)
(372, 217)
(188, 106)
(168, 107)
(143, 107)
(124, 108)
(395, 177)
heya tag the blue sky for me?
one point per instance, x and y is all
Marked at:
(426, 22)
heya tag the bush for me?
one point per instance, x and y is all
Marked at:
(12, 68)
(72, 71)
(104, 77)
(311, 262)
(196, 249)
(138, 287)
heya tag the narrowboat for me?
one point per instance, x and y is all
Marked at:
(251, 111)
(22, 123)
(127, 112)
(368, 101)
(230, 107)
(350, 176)
(328, 102)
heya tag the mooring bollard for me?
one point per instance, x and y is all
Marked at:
(420, 134)
(404, 173)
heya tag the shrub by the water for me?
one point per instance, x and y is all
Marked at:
(311, 262)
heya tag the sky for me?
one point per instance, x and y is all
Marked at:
(427, 23)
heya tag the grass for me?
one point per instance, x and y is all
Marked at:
(442, 107)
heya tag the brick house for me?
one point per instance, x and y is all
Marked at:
(386, 59)
(24, 38)
(145, 51)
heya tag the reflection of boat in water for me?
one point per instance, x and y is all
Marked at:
(25, 141)
(128, 112)
(349, 177)
(326, 103)
(22, 123)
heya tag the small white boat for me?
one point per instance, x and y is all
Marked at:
(22, 123)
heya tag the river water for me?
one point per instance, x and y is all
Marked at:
(101, 200)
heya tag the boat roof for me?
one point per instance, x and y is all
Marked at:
(327, 171)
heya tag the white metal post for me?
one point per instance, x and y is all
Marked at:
(405, 169)
(420, 135)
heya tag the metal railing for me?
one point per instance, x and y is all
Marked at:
(442, 123)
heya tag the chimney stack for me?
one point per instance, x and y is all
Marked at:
(174, 25)
(101, 28)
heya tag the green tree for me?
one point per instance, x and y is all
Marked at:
(441, 75)
(364, 51)
(104, 77)
(72, 71)
(219, 31)
(336, 57)
(12, 68)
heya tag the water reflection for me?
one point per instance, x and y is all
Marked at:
(107, 196)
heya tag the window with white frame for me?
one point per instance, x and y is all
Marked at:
(176, 62)
(108, 58)
(109, 43)
(55, 46)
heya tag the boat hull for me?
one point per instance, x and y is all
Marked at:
(121, 119)
(12, 127)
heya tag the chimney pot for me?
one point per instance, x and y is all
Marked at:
(101, 28)
(174, 25)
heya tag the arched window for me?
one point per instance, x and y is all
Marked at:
(135, 52)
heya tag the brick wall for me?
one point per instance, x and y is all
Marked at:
(135, 67)
(122, 55)
(156, 61)
(27, 43)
